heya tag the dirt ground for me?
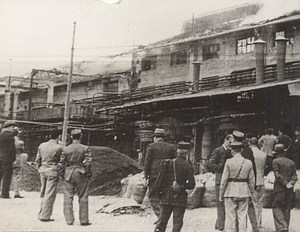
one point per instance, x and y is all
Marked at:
(21, 215)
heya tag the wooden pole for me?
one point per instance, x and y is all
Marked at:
(67, 101)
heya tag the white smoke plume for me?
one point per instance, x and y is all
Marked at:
(272, 9)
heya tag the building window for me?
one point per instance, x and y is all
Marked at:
(211, 51)
(245, 45)
(110, 86)
(179, 57)
(149, 63)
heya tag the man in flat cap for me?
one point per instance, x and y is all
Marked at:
(216, 164)
(237, 187)
(156, 152)
(77, 162)
(7, 156)
(285, 179)
(47, 158)
(178, 176)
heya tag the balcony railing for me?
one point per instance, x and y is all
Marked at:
(248, 76)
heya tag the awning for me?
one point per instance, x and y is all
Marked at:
(205, 93)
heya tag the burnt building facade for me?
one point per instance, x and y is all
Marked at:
(198, 86)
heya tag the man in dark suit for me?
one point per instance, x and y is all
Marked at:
(7, 156)
(77, 160)
(156, 152)
(178, 176)
(216, 164)
(285, 140)
(285, 179)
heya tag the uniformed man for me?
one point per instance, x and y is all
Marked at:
(156, 152)
(47, 158)
(7, 156)
(77, 162)
(21, 159)
(285, 179)
(237, 187)
(247, 153)
(216, 164)
(179, 176)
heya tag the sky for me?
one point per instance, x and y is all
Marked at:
(38, 33)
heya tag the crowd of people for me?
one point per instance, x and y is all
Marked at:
(239, 164)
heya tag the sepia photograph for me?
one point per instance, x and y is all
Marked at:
(150, 115)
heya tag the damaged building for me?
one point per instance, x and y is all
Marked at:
(216, 76)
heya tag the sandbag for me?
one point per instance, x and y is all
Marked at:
(136, 187)
(195, 195)
(124, 184)
(209, 198)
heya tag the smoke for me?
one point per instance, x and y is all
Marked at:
(272, 9)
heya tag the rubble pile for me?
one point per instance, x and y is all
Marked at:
(31, 178)
(109, 167)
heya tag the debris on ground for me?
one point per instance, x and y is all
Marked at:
(119, 206)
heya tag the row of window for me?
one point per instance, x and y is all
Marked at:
(243, 46)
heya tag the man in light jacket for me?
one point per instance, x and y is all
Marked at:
(47, 158)
(260, 162)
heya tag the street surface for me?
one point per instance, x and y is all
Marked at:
(21, 215)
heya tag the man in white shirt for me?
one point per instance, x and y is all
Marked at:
(260, 158)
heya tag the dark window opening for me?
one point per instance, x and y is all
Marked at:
(149, 63)
(211, 51)
(110, 87)
(179, 57)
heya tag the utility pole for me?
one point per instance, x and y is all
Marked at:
(67, 101)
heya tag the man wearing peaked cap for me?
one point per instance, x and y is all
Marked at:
(76, 132)
(9, 123)
(77, 162)
(179, 176)
(159, 132)
(247, 153)
(238, 136)
(183, 147)
(236, 187)
(156, 152)
(285, 179)
(7, 156)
